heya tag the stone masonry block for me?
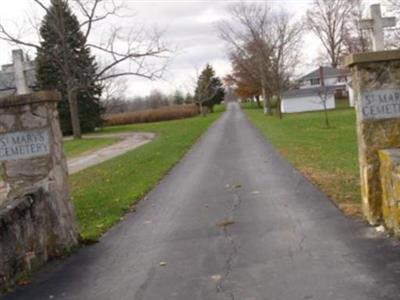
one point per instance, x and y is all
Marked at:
(390, 182)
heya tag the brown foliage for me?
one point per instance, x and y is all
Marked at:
(152, 115)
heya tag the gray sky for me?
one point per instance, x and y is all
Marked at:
(190, 26)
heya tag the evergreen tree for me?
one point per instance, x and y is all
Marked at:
(209, 90)
(178, 98)
(188, 99)
(65, 63)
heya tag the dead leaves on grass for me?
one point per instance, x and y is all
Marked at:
(329, 182)
(351, 209)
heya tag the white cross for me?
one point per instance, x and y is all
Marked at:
(18, 68)
(19, 73)
(375, 25)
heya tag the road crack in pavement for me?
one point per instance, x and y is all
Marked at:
(140, 293)
(237, 201)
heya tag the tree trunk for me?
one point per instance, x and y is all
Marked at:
(258, 101)
(267, 103)
(278, 107)
(202, 112)
(326, 115)
(74, 111)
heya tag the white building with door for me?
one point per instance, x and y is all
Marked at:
(307, 97)
(310, 99)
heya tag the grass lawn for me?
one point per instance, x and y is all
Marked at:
(342, 103)
(74, 148)
(104, 193)
(327, 156)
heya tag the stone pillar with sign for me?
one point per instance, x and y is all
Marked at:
(376, 84)
(36, 214)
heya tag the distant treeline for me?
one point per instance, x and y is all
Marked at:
(155, 99)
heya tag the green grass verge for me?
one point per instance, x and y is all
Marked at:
(342, 103)
(73, 148)
(104, 193)
(327, 156)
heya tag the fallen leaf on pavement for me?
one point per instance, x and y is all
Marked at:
(225, 223)
(216, 277)
(23, 282)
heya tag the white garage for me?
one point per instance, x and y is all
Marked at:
(307, 99)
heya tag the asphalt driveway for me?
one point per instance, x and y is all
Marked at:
(231, 221)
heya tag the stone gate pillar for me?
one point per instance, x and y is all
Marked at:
(36, 214)
(376, 84)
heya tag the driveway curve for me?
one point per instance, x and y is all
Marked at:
(128, 142)
(231, 221)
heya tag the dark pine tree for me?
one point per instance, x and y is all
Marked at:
(64, 57)
(209, 90)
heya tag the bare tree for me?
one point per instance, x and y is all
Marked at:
(392, 38)
(132, 52)
(324, 95)
(113, 93)
(285, 56)
(355, 40)
(248, 36)
(328, 20)
(114, 88)
(156, 99)
(267, 44)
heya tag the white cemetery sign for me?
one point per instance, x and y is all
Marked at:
(375, 25)
(380, 104)
(24, 144)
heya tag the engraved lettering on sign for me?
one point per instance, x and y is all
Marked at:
(380, 104)
(24, 144)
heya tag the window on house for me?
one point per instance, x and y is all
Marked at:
(315, 81)
(342, 79)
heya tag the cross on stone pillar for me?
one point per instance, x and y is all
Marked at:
(375, 25)
(19, 68)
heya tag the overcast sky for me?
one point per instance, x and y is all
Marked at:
(190, 27)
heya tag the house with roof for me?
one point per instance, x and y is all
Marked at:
(20, 72)
(312, 95)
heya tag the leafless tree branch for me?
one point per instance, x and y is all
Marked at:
(134, 53)
(263, 46)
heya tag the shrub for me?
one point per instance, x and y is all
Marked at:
(152, 115)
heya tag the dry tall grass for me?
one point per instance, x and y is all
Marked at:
(152, 115)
